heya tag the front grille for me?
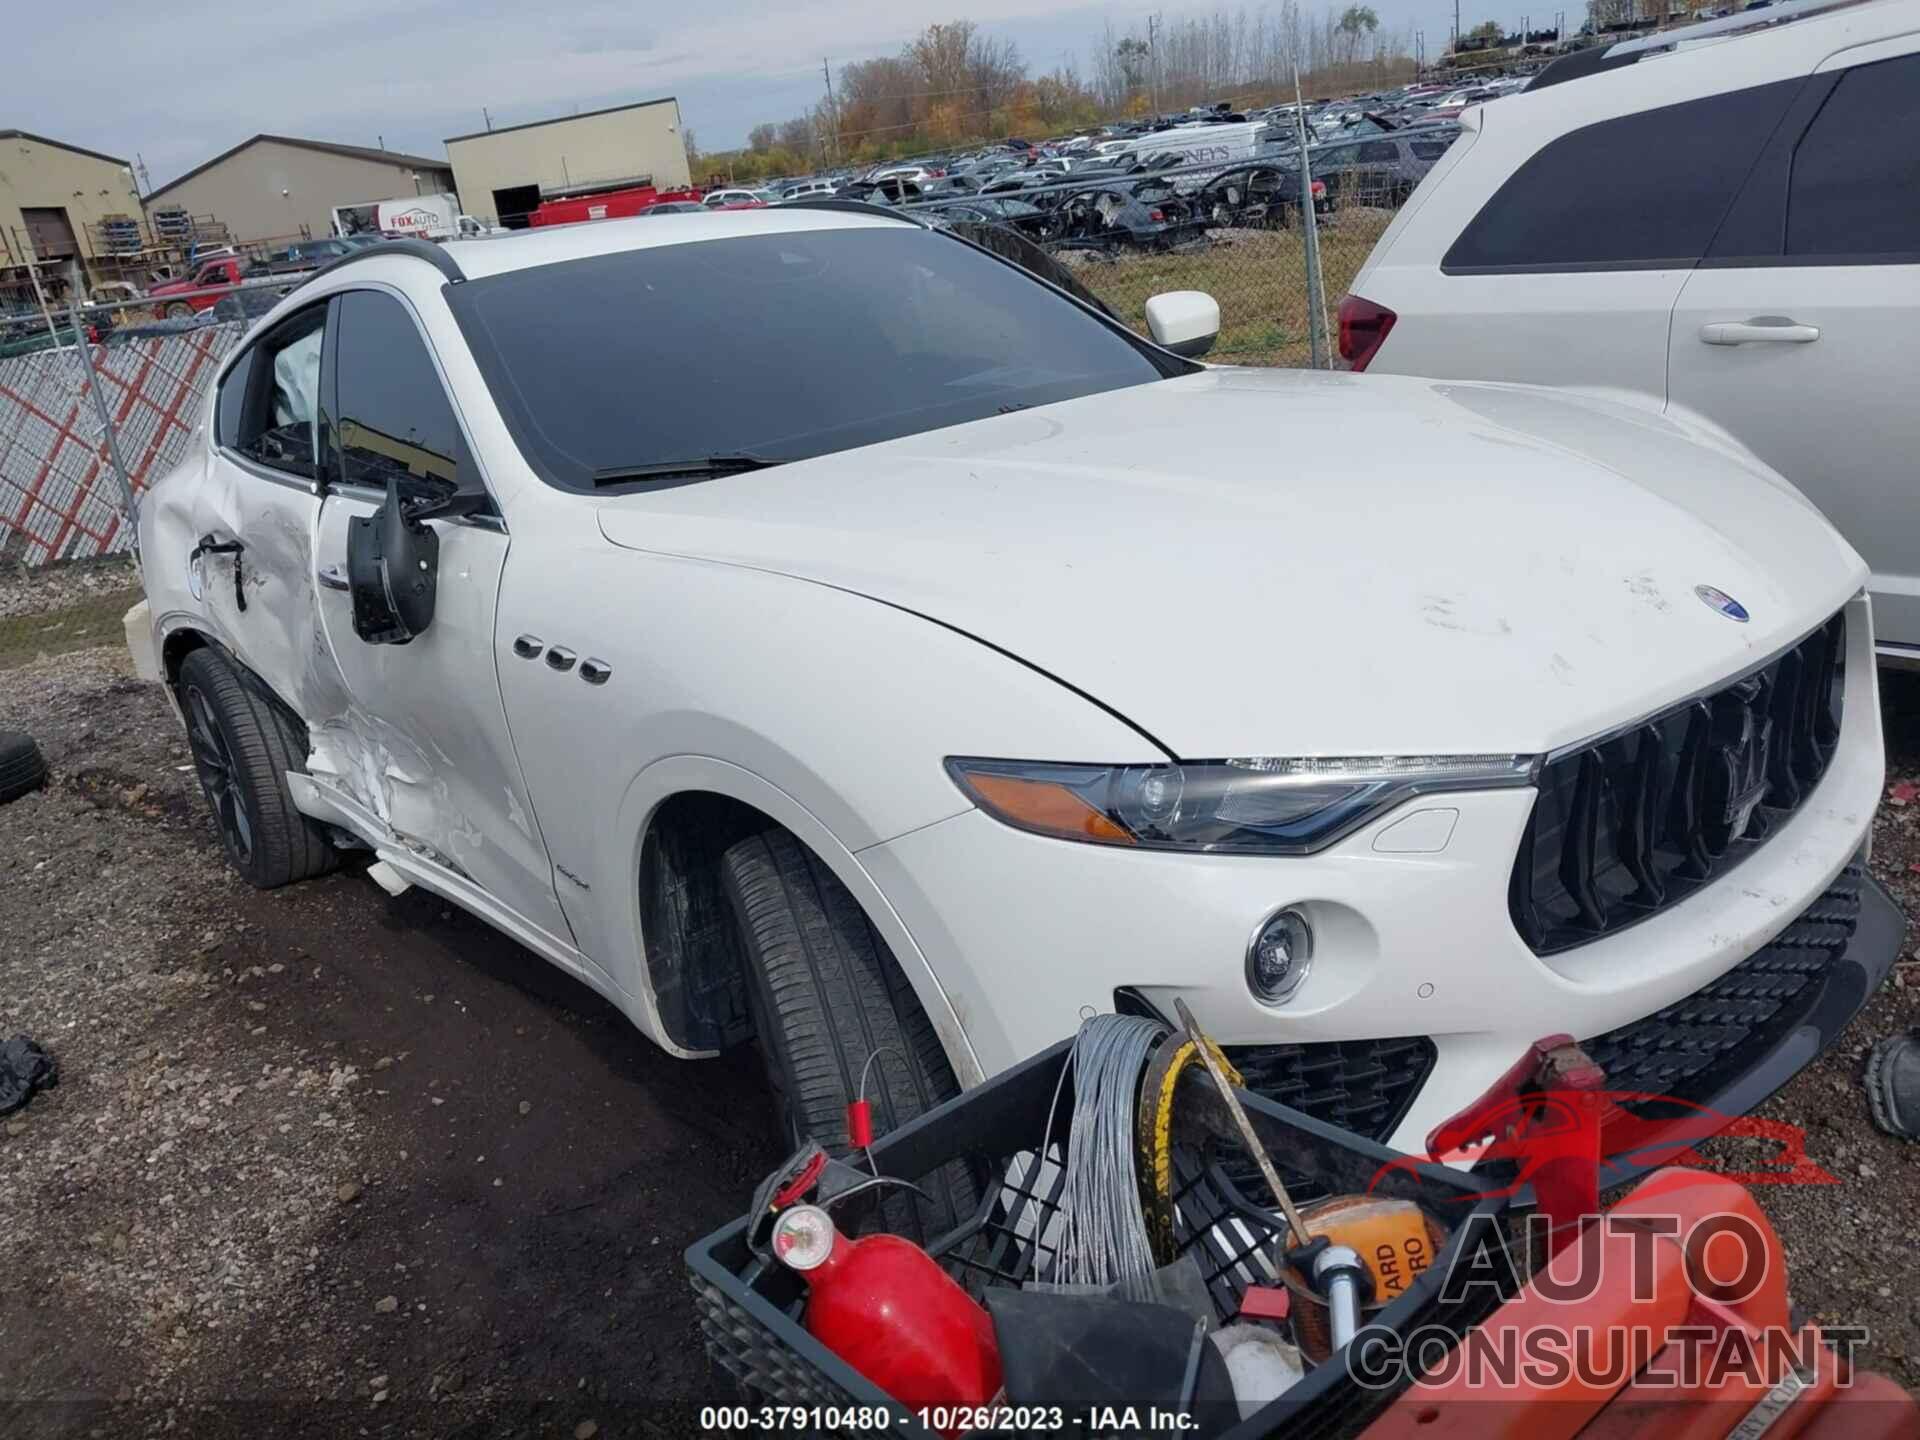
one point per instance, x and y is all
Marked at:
(1636, 822)
(1360, 1085)
(1696, 1047)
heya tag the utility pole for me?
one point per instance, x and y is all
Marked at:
(1456, 27)
(1153, 62)
(140, 169)
(833, 113)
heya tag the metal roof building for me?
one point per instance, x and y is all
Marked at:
(504, 173)
(278, 186)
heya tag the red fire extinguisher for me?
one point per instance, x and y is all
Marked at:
(881, 1304)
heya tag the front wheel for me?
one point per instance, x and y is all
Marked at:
(828, 996)
(179, 310)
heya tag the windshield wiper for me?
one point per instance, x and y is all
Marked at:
(698, 468)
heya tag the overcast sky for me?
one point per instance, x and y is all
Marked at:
(179, 82)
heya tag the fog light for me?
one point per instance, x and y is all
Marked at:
(1280, 957)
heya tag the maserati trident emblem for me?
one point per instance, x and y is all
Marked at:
(1720, 600)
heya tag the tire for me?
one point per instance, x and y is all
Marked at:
(244, 742)
(827, 994)
(179, 310)
(23, 769)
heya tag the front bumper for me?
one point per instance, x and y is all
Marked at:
(1422, 992)
(1737, 1040)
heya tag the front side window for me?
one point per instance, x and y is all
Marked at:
(1379, 152)
(269, 405)
(626, 362)
(1644, 191)
(394, 417)
(1855, 190)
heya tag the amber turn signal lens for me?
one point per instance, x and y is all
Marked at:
(1042, 805)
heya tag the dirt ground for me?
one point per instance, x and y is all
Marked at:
(320, 1162)
(323, 1162)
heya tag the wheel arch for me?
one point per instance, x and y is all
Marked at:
(712, 802)
(179, 643)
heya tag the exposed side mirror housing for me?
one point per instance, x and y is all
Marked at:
(1186, 322)
(393, 558)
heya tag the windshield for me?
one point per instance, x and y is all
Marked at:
(781, 346)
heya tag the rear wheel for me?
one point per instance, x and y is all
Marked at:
(244, 743)
(827, 997)
(179, 310)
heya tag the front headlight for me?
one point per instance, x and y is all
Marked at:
(1261, 806)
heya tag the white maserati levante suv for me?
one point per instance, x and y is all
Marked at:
(804, 625)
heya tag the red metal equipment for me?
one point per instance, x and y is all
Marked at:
(606, 204)
(1638, 1327)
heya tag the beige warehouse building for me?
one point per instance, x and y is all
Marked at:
(276, 186)
(503, 174)
(59, 203)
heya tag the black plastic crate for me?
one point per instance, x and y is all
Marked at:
(750, 1313)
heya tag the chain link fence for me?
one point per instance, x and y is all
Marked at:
(135, 381)
(67, 575)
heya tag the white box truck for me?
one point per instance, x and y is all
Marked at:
(425, 217)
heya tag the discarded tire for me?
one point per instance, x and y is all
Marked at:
(22, 767)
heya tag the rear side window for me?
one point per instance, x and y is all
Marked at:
(231, 408)
(394, 414)
(1378, 152)
(269, 402)
(1645, 191)
(1855, 189)
(1428, 149)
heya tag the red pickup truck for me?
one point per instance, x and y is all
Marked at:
(210, 275)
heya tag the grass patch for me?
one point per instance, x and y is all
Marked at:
(92, 620)
(1258, 276)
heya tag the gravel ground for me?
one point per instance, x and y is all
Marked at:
(324, 1162)
(26, 591)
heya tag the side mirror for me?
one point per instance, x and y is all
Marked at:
(393, 558)
(1186, 322)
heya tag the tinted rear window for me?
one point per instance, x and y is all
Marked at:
(1644, 191)
(1856, 172)
(780, 345)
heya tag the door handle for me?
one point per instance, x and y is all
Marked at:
(333, 577)
(209, 546)
(1761, 329)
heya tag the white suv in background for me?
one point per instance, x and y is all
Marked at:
(1722, 219)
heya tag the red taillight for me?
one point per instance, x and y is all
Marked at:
(1156, 215)
(1319, 188)
(1364, 327)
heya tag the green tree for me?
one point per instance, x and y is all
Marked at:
(1355, 21)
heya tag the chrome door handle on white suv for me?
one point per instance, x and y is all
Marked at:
(1772, 329)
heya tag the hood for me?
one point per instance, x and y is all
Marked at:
(1289, 562)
